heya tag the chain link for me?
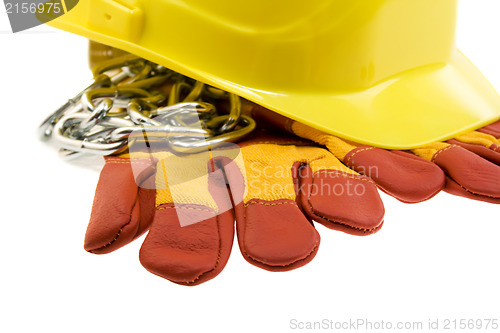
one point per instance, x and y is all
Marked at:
(134, 99)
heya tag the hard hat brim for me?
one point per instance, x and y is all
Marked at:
(419, 106)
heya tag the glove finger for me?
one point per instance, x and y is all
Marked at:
(491, 154)
(469, 175)
(190, 239)
(404, 176)
(454, 188)
(192, 254)
(482, 144)
(339, 198)
(122, 209)
(492, 129)
(273, 233)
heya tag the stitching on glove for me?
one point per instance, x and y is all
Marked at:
(186, 207)
(330, 220)
(127, 162)
(441, 151)
(464, 188)
(343, 174)
(217, 261)
(292, 263)
(257, 201)
(473, 193)
(254, 202)
(358, 151)
(117, 234)
(336, 222)
(112, 241)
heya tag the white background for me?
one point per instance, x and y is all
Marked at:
(438, 259)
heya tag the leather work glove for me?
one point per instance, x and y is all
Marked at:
(272, 185)
(471, 163)
(467, 166)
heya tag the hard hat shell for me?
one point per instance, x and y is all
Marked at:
(379, 72)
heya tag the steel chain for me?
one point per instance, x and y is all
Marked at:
(127, 102)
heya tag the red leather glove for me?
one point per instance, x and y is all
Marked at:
(472, 164)
(467, 166)
(273, 185)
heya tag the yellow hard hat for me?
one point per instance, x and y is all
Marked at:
(379, 72)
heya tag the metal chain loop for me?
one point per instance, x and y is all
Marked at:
(127, 102)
